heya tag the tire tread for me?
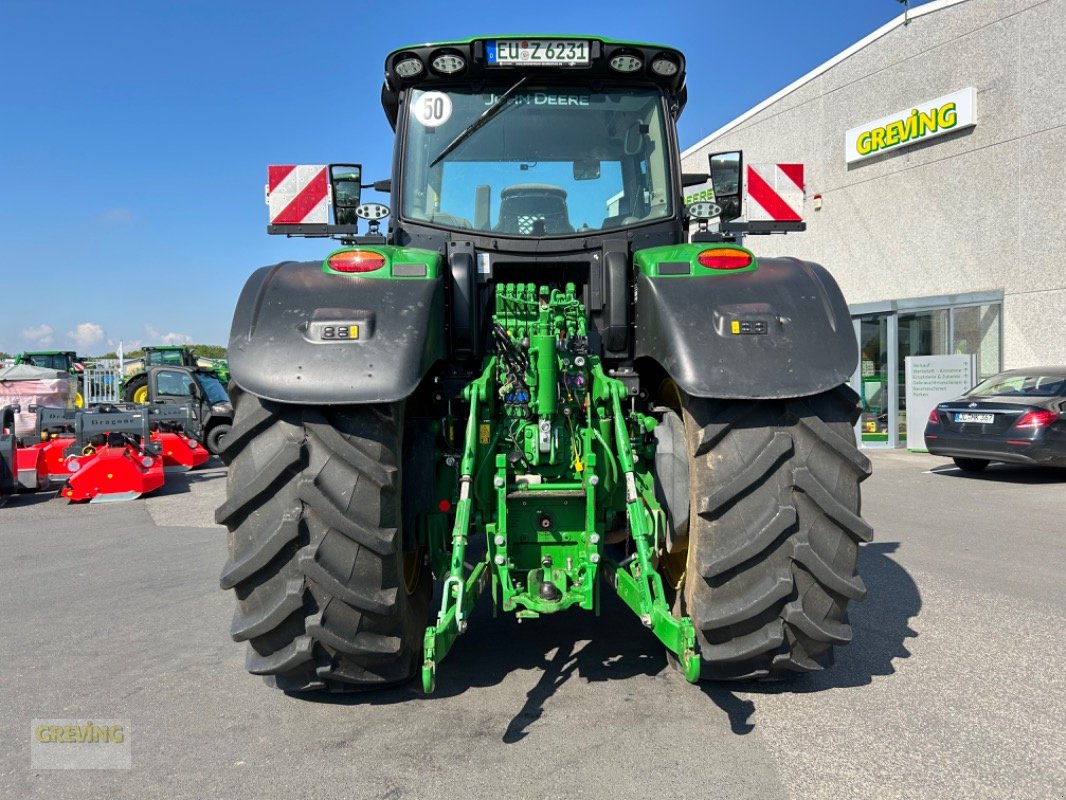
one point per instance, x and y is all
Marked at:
(315, 558)
(774, 531)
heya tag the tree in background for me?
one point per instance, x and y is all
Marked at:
(205, 350)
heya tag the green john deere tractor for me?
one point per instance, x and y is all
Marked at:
(61, 361)
(537, 383)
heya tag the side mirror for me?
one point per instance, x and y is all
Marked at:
(345, 184)
(727, 170)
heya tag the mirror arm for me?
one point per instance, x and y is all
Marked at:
(694, 178)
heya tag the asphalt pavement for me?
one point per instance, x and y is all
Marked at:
(952, 688)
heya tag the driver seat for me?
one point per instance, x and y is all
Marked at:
(524, 205)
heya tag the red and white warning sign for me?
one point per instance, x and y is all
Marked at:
(775, 192)
(298, 195)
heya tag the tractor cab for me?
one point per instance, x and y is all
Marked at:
(536, 145)
(569, 140)
(169, 355)
(59, 360)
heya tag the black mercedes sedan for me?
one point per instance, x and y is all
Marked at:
(1017, 416)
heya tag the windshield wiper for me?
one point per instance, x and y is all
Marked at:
(486, 115)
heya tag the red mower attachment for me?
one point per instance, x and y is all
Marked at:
(180, 453)
(113, 473)
(103, 455)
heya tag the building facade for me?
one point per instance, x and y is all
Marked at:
(935, 188)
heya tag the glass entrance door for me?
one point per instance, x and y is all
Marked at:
(887, 337)
(874, 384)
(920, 333)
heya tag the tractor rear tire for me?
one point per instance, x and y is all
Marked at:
(326, 597)
(774, 531)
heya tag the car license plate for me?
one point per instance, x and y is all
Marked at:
(537, 52)
(965, 416)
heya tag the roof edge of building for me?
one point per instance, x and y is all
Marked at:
(891, 25)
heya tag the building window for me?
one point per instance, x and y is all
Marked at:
(976, 329)
(873, 385)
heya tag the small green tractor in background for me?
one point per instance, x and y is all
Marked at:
(135, 380)
(537, 384)
(61, 361)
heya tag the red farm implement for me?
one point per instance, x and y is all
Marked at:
(104, 455)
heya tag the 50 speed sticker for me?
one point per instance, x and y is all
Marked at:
(433, 109)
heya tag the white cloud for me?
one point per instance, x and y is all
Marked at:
(42, 334)
(86, 334)
(176, 338)
(155, 337)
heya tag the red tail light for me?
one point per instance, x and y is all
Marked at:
(934, 417)
(356, 261)
(725, 258)
(1036, 419)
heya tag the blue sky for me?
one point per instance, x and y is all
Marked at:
(135, 135)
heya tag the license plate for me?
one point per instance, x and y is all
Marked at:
(967, 417)
(537, 52)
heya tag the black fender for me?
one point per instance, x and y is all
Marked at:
(279, 350)
(783, 330)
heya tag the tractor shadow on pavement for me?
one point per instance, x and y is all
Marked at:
(616, 647)
(613, 646)
(182, 482)
(880, 628)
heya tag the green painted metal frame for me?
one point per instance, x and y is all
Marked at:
(573, 488)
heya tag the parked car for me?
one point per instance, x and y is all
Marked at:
(1017, 416)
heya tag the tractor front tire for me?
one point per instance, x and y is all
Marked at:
(774, 531)
(326, 597)
(136, 390)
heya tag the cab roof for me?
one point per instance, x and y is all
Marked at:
(477, 57)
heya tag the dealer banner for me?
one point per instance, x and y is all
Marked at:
(920, 123)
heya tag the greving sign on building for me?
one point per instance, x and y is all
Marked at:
(919, 123)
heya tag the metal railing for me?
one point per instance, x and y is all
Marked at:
(102, 385)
